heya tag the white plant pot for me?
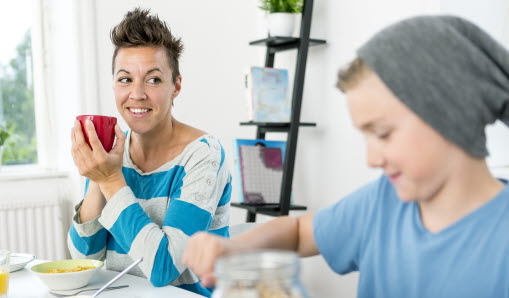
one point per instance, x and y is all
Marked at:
(281, 24)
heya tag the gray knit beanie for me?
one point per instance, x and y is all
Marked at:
(448, 71)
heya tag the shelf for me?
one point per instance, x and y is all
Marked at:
(275, 126)
(266, 209)
(274, 45)
(281, 43)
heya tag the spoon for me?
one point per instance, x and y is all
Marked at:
(117, 277)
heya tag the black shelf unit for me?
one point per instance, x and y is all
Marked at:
(264, 127)
(273, 45)
(281, 43)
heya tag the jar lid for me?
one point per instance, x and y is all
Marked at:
(258, 265)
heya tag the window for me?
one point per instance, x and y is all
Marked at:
(17, 113)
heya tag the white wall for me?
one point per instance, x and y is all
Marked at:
(330, 158)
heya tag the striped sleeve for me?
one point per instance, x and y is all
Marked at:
(221, 223)
(204, 182)
(192, 205)
(86, 240)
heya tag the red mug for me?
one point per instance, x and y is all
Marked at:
(104, 126)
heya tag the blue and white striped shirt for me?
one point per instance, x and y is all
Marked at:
(157, 212)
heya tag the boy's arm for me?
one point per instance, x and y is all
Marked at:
(307, 244)
(285, 233)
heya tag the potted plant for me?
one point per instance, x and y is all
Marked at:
(281, 15)
(4, 135)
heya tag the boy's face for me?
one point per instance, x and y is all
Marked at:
(416, 159)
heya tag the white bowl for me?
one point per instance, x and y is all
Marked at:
(19, 261)
(69, 280)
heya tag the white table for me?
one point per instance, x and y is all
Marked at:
(25, 284)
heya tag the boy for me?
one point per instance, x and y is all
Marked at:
(435, 224)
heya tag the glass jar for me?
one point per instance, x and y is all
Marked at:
(259, 274)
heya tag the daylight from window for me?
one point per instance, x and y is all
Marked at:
(17, 115)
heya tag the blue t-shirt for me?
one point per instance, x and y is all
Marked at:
(373, 232)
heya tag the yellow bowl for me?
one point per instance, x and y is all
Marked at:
(67, 280)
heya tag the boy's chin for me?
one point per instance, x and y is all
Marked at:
(406, 197)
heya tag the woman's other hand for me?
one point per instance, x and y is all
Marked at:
(95, 163)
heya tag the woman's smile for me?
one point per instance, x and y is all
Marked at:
(139, 112)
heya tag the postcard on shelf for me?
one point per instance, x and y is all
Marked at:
(258, 170)
(268, 95)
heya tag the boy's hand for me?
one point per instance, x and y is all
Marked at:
(201, 253)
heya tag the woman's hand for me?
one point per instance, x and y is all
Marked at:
(201, 253)
(96, 164)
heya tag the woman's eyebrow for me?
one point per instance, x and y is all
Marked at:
(148, 72)
(154, 69)
(123, 71)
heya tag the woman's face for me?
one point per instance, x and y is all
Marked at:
(417, 160)
(144, 88)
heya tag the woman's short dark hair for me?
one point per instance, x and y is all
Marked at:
(140, 29)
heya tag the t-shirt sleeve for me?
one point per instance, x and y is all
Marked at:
(340, 229)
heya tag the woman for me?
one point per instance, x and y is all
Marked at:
(163, 180)
(435, 224)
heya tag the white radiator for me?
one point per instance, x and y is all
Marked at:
(35, 227)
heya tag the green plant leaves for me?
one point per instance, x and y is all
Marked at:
(289, 6)
(3, 136)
